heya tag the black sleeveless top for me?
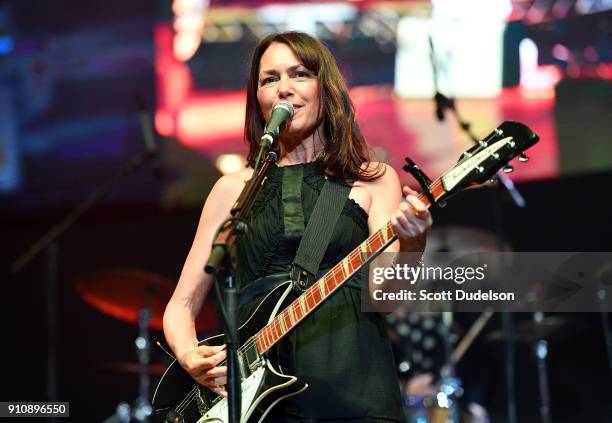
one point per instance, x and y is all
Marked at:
(342, 353)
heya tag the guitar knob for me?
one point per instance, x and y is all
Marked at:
(508, 169)
(523, 158)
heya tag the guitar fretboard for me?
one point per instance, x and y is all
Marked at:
(319, 291)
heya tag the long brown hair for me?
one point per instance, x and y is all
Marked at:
(345, 149)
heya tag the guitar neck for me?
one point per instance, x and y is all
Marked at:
(318, 292)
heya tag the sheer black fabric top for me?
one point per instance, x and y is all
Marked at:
(341, 352)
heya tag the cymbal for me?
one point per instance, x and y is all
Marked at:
(122, 293)
(530, 331)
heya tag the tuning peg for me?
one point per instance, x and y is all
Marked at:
(523, 158)
(508, 169)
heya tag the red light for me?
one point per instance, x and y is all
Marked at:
(164, 123)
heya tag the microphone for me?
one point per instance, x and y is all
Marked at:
(281, 113)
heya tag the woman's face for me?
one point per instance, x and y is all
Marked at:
(282, 76)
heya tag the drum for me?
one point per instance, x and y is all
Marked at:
(439, 406)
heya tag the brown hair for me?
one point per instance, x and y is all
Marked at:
(345, 149)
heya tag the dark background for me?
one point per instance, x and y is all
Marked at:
(130, 229)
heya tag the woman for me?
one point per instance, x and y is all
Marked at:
(341, 352)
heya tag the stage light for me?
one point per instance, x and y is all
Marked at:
(164, 123)
(188, 25)
(185, 45)
(230, 163)
(560, 52)
(533, 75)
(7, 44)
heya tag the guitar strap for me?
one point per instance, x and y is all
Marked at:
(318, 233)
(315, 237)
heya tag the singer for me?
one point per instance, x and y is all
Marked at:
(341, 352)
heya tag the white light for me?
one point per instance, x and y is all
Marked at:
(468, 52)
(442, 400)
(584, 6)
(404, 366)
(185, 45)
(534, 76)
(304, 17)
(471, 9)
(189, 25)
(230, 163)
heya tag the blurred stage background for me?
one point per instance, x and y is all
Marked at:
(78, 79)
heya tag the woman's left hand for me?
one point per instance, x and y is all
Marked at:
(411, 220)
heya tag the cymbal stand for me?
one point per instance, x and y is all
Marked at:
(141, 408)
(504, 184)
(541, 352)
(450, 388)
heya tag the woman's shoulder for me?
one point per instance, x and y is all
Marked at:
(386, 175)
(237, 179)
(228, 187)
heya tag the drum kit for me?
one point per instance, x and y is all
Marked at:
(428, 347)
(139, 298)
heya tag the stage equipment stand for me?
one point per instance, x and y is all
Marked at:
(541, 352)
(504, 183)
(221, 264)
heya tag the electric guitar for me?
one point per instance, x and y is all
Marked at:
(178, 398)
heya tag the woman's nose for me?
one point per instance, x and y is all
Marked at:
(285, 87)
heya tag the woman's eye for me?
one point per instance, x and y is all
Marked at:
(267, 80)
(303, 74)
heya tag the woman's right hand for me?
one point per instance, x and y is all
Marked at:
(201, 363)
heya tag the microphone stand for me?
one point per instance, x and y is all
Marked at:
(221, 263)
(444, 103)
(506, 315)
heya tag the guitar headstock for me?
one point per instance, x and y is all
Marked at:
(481, 162)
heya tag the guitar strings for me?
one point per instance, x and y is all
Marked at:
(268, 329)
(192, 394)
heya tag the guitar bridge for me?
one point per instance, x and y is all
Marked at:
(250, 359)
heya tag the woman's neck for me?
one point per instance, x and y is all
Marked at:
(304, 151)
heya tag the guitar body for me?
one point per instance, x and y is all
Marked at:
(178, 398)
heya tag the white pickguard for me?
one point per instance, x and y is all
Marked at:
(249, 387)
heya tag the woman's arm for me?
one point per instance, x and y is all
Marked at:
(409, 217)
(193, 287)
